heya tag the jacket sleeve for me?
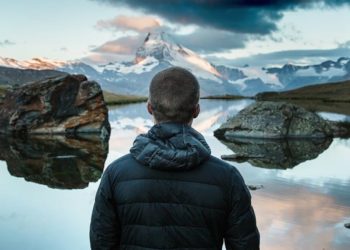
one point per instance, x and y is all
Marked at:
(104, 226)
(241, 230)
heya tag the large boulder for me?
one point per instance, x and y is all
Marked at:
(275, 120)
(63, 105)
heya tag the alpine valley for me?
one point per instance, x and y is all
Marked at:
(160, 51)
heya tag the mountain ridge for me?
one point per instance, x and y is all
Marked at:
(159, 51)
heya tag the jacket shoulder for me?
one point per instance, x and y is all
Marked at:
(221, 165)
(121, 164)
(121, 161)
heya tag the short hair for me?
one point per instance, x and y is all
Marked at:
(174, 95)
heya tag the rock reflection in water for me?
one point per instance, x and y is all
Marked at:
(277, 154)
(55, 161)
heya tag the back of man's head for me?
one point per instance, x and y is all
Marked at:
(174, 95)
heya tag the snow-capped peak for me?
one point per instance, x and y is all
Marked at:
(158, 45)
(161, 46)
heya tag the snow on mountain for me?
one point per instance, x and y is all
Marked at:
(325, 72)
(257, 72)
(159, 47)
(145, 65)
(35, 63)
(293, 76)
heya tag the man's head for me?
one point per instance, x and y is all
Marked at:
(174, 96)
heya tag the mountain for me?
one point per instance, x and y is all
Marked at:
(294, 76)
(160, 51)
(16, 76)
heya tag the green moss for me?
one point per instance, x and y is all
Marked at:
(3, 90)
(116, 99)
(329, 97)
(328, 92)
(226, 97)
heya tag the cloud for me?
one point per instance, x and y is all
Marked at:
(139, 24)
(217, 26)
(98, 58)
(6, 42)
(312, 56)
(239, 16)
(121, 49)
(209, 41)
(345, 45)
(200, 39)
(281, 219)
(122, 46)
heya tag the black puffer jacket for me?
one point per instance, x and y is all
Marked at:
(169, 193)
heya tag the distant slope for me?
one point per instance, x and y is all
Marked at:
(2, 93)
(2, 90)
(116, 99)
(328, 92)
(329, 97)
(13, 76)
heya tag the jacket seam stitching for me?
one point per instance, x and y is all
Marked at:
(172, 203)
(170, 225)
(136, 179)
(167, 248)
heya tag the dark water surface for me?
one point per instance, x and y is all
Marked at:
(48, 184)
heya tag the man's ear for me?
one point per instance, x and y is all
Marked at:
(197, 110)
(149, 108)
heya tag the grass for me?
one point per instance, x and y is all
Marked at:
(3, 90)
(116, 99)
(329, 97)
(328, 92)
(225, 97)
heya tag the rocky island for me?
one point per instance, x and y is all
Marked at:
(277, 135)
(277, 120)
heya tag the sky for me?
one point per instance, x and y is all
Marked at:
(231, 32)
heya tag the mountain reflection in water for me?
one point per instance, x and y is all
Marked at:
(55, 161)
(278, 154)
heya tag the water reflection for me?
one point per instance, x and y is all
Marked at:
(134, 117)
(55, 161)
(303, 219)
(304, 207)
(277, 154)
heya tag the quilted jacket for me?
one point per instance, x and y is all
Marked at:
(170, 193)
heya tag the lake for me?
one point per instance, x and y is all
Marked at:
(48, 185)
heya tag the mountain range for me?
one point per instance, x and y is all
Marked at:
(160, 51)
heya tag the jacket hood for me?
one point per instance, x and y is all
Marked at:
(170, 146)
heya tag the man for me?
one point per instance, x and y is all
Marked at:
(169, 192)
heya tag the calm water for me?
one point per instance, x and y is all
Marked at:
(304, 205)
